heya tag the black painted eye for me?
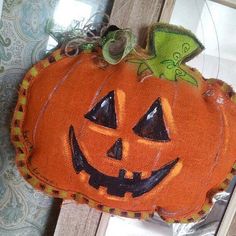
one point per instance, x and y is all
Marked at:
(151, 125)
(103, 113)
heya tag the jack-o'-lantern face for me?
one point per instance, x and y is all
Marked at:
(122, 139)
(151, 126)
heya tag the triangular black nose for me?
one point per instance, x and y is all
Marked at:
(116, 150)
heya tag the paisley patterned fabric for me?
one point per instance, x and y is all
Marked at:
(23, 211)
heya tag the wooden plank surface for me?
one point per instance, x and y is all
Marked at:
(228, 3)
(167, 10)
(137, 15)
(77, 220)
(102, 227)
(227, 226)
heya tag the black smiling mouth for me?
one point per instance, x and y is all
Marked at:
(120, 185)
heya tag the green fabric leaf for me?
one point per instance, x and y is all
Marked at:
(186, 77)
(170, 47)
